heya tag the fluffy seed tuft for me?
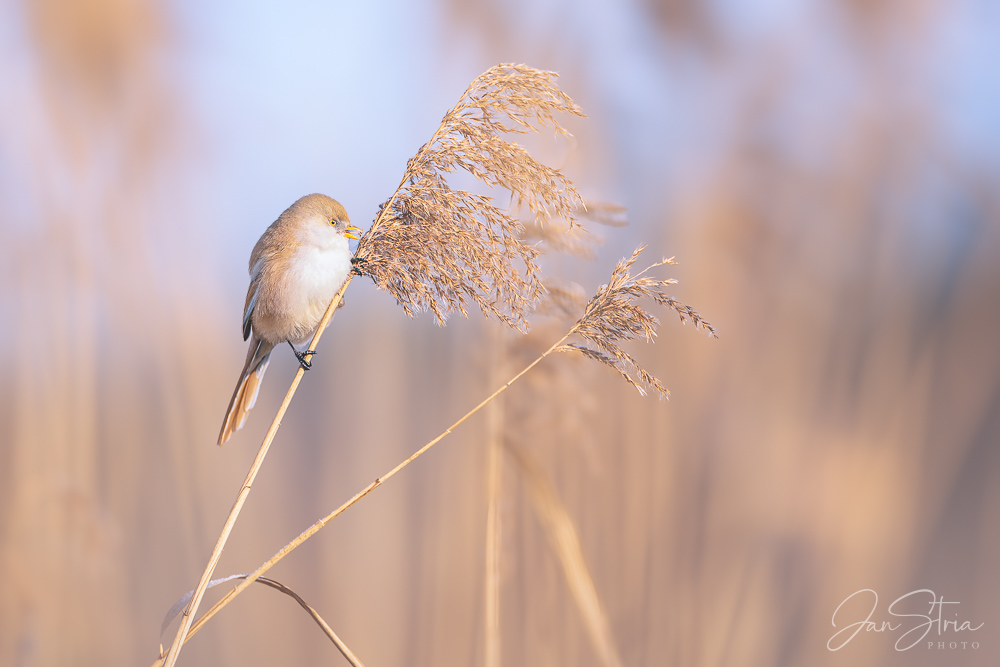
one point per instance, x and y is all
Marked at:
(614, 315)
(438, 249)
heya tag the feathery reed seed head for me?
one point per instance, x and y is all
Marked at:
(437, 249)
(614, 315)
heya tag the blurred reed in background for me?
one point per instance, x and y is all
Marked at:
(831, 217)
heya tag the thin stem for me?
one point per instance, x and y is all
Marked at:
(320, 621)
(186, 619)
(319, 525)
(494, 486)
(565, 543)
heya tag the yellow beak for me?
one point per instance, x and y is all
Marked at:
(352, 232)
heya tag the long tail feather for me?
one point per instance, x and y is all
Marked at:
(246, 392)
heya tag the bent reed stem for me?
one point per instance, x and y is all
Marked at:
(320, 524)
(187, 617)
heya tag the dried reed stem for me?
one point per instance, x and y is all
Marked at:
(278, 586)
(184, 630)
(565, 543)
(319, 525)
(492, 634)
(320, 621)
(610, 317)
(494, 487)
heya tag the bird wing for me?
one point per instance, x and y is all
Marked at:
(252, 291)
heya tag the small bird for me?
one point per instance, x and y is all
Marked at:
(296, 268)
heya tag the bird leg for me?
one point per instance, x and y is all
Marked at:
(301, 356)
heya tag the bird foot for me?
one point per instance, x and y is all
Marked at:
(301, 356)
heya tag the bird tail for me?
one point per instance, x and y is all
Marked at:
(246, 391)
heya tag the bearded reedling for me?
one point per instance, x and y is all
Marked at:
(296, 268)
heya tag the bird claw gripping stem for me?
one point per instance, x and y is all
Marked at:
(301, 356)
(354, 265)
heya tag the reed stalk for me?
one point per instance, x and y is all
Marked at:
(188, 616)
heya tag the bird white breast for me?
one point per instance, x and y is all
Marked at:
(318, 267)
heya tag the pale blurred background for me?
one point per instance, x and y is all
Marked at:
(827, 173)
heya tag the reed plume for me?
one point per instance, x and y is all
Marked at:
(438, 249)
(615, 315)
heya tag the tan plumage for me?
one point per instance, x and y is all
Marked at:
(296, 268)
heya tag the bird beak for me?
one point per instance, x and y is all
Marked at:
(352, 232)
